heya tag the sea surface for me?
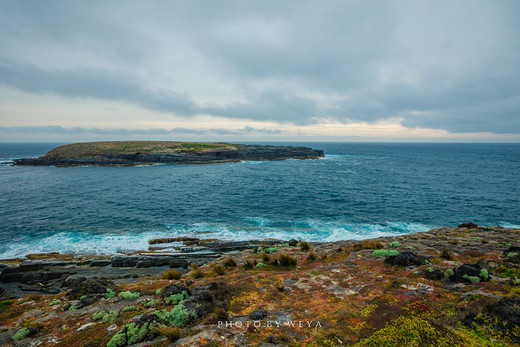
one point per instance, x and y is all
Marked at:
(359, 190)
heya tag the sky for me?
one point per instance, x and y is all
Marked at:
(295, 70)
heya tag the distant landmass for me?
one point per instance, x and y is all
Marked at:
(128, 153)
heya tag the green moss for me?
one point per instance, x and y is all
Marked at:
(129, 295)
(176, 298)
(395, 244)
(472, 279)
(105, 316)
(178, 316)
(130, 308)
(152, 303)
(384, 253)
(408, 331)
(484, 274)
(449, 273)
(109, 294)
(21, 334)
(55, 302)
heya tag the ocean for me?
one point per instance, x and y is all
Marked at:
(358, 191)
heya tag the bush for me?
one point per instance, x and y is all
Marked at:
(249, 265)
(285, 260)
(304, 246)
(176, 298)
(270, 250)
(230, 262)
(218, 269)
(196, 272)
(171, 274)
(384, 253)
(448, 255)
(178, 316)
(312, 257)
(129, 295)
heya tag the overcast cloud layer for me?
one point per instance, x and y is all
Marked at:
(445, 65)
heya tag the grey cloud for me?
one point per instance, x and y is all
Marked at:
(462, 58)
(59, 130)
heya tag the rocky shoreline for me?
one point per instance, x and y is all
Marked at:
(453, 285)
(228, 153)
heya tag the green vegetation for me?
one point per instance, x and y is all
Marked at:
(408, 331)
(21, 334)
(259, 265)
(448, 273)
(129, 295)
(130, 334)
(55, 302)
(178, 316)
(94, 149)
(158, 291)
(384, 253)
(472, 279)
(152, 303)
(105, 316)
(176, 298)
(130, 308)
(109, 294)
(484, 274)
(512, 254)
(395, 244)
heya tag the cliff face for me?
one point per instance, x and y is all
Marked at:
(181, 156)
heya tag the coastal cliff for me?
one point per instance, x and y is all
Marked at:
(128, 153)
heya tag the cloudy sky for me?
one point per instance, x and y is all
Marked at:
(260, 70)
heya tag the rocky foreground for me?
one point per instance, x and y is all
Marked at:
(448, 286)
(129, 153)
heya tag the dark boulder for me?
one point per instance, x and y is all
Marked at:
(405, 258)
(144, 262)
(469, 273)
(433, 274)
(93, 287)
(173, 289)
(293, 242)
(124, 262)
(258, 314)
(175, 263)
(100, 262)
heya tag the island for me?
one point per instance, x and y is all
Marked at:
(129, 153)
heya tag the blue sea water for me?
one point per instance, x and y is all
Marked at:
(359, 190)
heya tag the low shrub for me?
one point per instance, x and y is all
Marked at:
(196, 272)
(170, 274)
(312, 257)
(55, 302)
(304, 246)
(230, 262)
(21, 334)
(218, 269)
(130, 308)
(249, 264)
(285, 260)
(109, 293)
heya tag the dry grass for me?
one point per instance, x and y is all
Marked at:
(285, 260)
(304, 246)
(312, 257)
(196, 272)
(171, 332)
(249, 265)
(367, 244)
(266, 258)
(218, 269)
(170, 274)
(230, 262)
